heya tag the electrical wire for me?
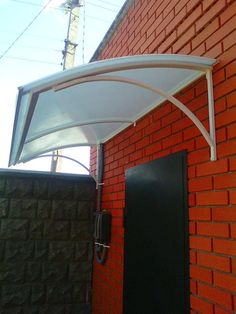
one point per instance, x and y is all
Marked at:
(109, 3)
(32, 60)
(25, 29)
(32, 35)
(100, 6)
(61, 9)
(35, 47)
(36, 4)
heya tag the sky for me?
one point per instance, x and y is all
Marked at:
(31, 47)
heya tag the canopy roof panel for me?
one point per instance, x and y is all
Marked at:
(89, 104)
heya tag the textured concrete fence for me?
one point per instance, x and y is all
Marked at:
(45, 243)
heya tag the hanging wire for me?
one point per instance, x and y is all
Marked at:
(109, 3)
(25, 29)
(32, 60)
(35, 4)
(100, 6)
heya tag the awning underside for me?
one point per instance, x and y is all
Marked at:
(88, 105)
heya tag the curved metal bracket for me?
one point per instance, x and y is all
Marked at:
(209, 136)
(72, 159)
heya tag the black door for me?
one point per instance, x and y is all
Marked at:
(156, 238)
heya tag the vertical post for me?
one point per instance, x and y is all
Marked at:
(100, 169)
(211, 112)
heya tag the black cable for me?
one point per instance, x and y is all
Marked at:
(24, 30)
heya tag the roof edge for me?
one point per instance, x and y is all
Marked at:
(111, 29)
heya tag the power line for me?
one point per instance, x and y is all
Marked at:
(32, 35)
(32, 60)
(61, 9)
(36, 4)
(101, 7)
(25, 29)
(35, 47)
(109, 3)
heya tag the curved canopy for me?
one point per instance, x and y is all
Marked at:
(89, 104)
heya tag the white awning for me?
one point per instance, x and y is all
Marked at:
(89, 104)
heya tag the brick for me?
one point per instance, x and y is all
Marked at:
(193, 257)
(205, 33)
(231, 131)
(219, 310)
(174, 116)
(225, 87)
(191, 132)
(224, 214)
(181, 124)
(169, 7)
(215, 295)
(201, 213)
(189, 20)
(225, 281)
(234, 265)
(151, 149)
(192, 4)
(167, 43)
(212, 198)
(198, 156)
(191, 199)
(162, 111)
(199, 51)
(228, 13)
(176, 20)
(229, 41)
(14, 229)
(213, 261)
(231, 99)
(213, 229)
(183, 40)
(221, 135)
(226, 148)
(153, 127)
(172, 140)
(233, 230)
(224, 246)
(221, 33)
(200, 184)
(226, 117)
(202, 306)
(193, 286)
(232, 163)
(163, 133)
(225, 181)
(207, 3)
(230, 70)
(212, 167)
(199, 273)
(210, 14)
(200, 243)
(232, 197)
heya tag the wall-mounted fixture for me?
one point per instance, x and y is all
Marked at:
(102, 234)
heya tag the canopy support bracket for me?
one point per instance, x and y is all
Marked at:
(211, 113)
(209, 136)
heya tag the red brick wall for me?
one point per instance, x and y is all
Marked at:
(202, 28)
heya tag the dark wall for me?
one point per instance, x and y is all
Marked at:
(45, 243)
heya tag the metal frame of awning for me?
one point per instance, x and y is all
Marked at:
(112, 71)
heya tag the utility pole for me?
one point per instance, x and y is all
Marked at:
(68, 56)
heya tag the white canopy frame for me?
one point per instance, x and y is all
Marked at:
(115, 71)
(209, 137)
